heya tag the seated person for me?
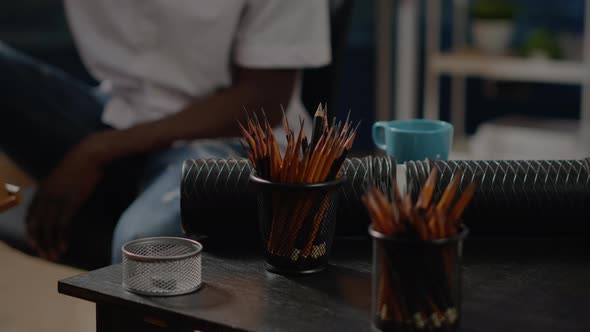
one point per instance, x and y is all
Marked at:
(175, 76)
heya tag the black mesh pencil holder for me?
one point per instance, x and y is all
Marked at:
(416, 284)
(297, 223)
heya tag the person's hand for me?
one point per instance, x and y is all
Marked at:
(63, 193)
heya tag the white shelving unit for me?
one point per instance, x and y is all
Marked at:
(460, 64)
(509, 68)
(403, 94)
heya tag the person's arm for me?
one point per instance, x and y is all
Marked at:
(74, 179)
(212, 116)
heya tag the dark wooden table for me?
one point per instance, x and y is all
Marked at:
(509, 285)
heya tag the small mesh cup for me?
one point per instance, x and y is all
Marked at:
(162, 266)
(297, 223)
(416, 284)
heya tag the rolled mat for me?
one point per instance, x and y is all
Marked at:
(516, 196)
(513, 197)
(216, 196)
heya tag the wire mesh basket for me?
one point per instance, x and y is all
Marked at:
(416, 284)
(297, 223)
(162, 266)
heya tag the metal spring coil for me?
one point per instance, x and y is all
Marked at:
(515, 194)
(511, 197)
(216, 195)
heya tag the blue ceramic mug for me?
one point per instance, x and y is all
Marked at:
(415, 139)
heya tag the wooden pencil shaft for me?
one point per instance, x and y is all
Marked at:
(384, 205)
(317, 126)
(428, 190)
(325, 163)
(297, 215)
(462, 203)
(449, 194)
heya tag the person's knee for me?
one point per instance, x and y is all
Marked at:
(4, 49)
(13, 62)
(7, 54)
(14, 65)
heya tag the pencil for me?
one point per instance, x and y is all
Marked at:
(318, 120)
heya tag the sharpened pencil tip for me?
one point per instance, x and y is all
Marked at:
(319, 113)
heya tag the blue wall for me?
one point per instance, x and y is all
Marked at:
(357, 85)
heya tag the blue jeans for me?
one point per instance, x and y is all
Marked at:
(44, 113)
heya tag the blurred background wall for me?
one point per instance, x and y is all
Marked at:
(38, 27)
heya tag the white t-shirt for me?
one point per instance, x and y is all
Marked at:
(158, 55)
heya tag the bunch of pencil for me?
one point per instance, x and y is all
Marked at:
(417, 263)
(297, 215)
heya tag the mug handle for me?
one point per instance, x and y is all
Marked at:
(379, 134)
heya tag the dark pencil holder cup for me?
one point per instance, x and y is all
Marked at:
(416, 284)
(297, 223)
